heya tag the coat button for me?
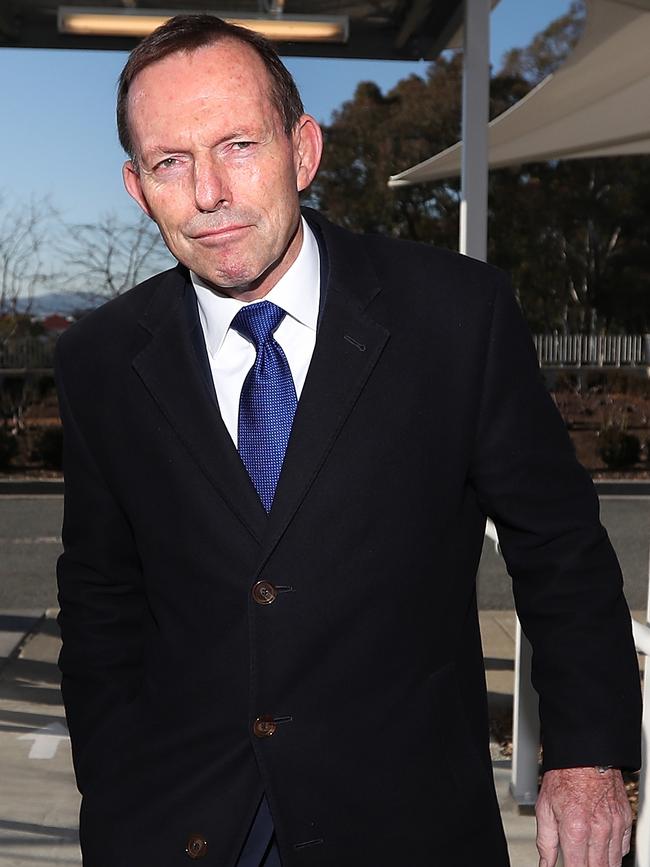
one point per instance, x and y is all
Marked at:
(197, 847)
(264, 593)
(264, 726)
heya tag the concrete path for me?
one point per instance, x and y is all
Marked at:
(39, 804)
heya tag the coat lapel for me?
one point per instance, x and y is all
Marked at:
(170, 369)
(348, 346)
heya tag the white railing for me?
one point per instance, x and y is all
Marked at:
(642, 855)
(592, 350)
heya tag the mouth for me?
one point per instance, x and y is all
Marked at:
(217, 234)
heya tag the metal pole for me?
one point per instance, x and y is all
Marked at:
(525, 727)
(476, 110)
(642, 841)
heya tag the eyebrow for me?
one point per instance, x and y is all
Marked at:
(160, 151)
(238, 132)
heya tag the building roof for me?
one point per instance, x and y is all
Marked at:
(382, 29)
(594, 105)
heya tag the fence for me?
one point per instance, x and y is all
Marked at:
(27, 353)
(553, 350)
(592, 350)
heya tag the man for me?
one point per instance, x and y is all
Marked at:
(279, 459)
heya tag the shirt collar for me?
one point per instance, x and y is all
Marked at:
(297, 292)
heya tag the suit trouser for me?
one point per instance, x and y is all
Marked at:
(260, 849)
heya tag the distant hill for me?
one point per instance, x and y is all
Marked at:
(65, 303)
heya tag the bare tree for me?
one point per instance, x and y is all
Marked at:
(25, 235)
(101, 260)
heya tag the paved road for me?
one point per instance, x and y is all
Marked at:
(627, 520)
(30, 544)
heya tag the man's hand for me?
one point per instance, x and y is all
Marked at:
(585, 814)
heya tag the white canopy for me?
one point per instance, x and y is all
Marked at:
(596, 104)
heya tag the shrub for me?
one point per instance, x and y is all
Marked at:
(617, 448)
(8, 447)
(566, 382)
(621, 381)
(596, 382)
(49, 448)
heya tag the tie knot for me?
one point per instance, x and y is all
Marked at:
(258, 321)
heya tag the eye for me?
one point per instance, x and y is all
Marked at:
(242, 145)
(168, 164)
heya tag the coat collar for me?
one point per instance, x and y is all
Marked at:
(348, 346)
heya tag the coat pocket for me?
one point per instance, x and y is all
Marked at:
(460, 754)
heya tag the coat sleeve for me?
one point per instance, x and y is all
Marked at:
(567, 583)
(101, 597)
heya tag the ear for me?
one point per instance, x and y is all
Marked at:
(133, 184)
(308, 149)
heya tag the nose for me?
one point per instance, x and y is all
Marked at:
(211, 187)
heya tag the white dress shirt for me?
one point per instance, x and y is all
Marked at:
(232, 356)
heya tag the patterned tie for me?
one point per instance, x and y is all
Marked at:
(268, 400)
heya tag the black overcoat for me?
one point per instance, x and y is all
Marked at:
(423, 412)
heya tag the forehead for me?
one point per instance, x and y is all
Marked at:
(228, 72)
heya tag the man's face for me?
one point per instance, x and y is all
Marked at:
(216, 170)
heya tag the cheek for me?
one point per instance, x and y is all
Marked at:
(168, 206)
(282, 200)
(270, 185)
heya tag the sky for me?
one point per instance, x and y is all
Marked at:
(58, 138)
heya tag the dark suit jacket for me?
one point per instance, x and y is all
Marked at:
(423, 412)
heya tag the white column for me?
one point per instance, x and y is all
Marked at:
(525, 726)
(476, 101)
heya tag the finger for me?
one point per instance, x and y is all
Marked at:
(616, 850)
(621, 825)
(548, 855)
(548, 840)
(605, 839)
(628, 820)
(574, 844)
(598, 854)
(550, 860)
(627, 841)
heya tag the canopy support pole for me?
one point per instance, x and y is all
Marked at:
(476, 115)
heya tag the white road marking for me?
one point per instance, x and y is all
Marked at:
(32, 540)
(637, 497)
(30, 497)
(46, 740)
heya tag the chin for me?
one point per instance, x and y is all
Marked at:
(219, 272)
(235, 282)
(229, 282)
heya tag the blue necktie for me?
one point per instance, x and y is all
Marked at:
(268, 400)
(266, 409)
